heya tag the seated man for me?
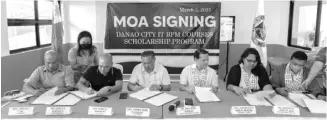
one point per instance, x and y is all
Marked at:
(199, 74)
(102, 78)
(288, 77)
(318, 65)
(52, 74)
(149, 74)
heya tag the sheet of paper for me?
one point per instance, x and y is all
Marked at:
(256, 100)
(161, 99)
(83, 95)
(298, 98)
(144, 94)
(263, 93)
(278, 100)
(68, 100)
(49, 97)
(205, 95)
(316, 106)
(308, 95)
(24, 97)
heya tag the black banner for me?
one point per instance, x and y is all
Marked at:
(162, 27)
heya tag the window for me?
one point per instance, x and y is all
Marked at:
(29, 24)
(307, 24)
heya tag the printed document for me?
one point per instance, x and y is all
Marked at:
(205, 95)
(161, 99)
(49, 97)
(144, 94)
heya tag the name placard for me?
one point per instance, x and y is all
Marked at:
(188, 110)
(286, 110)
(58, 111)
(243, 110)
(141, 112)
(21, 111)
(100, 111)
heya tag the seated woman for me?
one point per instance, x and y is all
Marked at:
(249, 75)
(83, 55)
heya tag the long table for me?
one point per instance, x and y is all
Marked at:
(208, 110)
(222, 109)
(80, 110)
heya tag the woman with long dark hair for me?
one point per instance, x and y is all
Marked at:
(84, 54)
(249, 75)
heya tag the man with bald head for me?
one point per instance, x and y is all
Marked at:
(51, 74)
(102, 78)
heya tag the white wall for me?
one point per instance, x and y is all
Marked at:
(78, 16)
(4, 30)
(276, 13)
(276, 19)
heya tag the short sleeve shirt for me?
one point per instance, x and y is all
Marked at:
(42, 78)
(98, 80)
(158, 76)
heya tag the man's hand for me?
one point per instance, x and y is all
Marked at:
(282, 91)
(305, 84)
(39, 92)
(137, 88)
(240, 91)
(155, 87)
(89, 91)
(214, 89)
(60, 90)
(190, 89)
(321, 97)
(103, 91)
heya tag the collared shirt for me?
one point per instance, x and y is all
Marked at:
(42, 78)
(191, 76)
(98, 80)
(158, 76)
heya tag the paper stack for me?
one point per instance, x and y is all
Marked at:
(278, 100)
(68, 100)
(258, 98)
(205, 95)
(298, 98)
(316, 106)
(144, 94)
(161, 99)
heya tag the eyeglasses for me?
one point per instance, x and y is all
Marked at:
(253, 61)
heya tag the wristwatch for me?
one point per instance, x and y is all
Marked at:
(161, 87)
